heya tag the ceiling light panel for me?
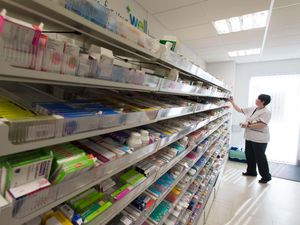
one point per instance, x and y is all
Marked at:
(240, 23)
(245, 52)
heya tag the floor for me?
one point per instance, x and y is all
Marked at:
(290, 172)
(243, 201)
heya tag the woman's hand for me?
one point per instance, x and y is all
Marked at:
(244, 125)
(231, 99)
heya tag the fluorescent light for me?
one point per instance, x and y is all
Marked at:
(235, 24)
(245, 52)
(247, 22)
(232, 54)
(240, 23)
(221, 26)
(260, 19)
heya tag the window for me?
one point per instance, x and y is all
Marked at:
(285, 107)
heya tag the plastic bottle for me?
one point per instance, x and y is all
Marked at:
(145, 137)
(135, 140)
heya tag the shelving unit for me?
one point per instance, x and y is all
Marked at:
(9, 148)
(10, 73)
(51, 11)
(62, 192)
(180, 196)
(211, 189)
(49, 198)
(212, 147)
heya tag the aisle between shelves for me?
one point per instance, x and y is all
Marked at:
(63, 196)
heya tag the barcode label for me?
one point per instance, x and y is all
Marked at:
(40, 132)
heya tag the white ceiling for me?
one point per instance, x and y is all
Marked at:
(191, 21)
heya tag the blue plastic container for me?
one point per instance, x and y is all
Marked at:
(89, 9)
(237, 154)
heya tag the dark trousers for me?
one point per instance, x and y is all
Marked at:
(255, 154)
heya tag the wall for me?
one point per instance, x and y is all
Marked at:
(155, 28)
(244, 72)
(224, 71)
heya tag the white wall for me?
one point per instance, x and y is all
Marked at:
(244, 72)
(155, 28)
(224, 71)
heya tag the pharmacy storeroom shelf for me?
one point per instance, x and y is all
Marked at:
(54, 12)
(117, 115)
(61, 193)
(119, 206)
(9, 148)
(162, 197)
(212, 191)
(10, 73)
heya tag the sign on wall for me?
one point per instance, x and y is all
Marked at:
(130, 11)
(136, 22)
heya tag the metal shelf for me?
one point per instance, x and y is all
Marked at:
(51, 11)
(204, 164)
(63, 192)
(120, 205)
(183, 191)
(9, 148)
(215, 180)
(10, 73)
(162, 197)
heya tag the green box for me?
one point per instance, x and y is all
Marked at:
(22, 168)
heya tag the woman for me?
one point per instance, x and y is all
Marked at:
(257, 136)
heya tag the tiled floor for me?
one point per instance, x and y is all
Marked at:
(243, 201)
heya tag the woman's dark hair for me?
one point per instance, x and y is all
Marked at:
(266, 99)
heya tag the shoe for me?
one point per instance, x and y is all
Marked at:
(264, 180)
(249, 174)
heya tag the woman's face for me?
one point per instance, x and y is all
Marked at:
(259, 103)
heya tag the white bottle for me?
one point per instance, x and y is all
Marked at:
(135, 140)
(145, 137)
(184, 141)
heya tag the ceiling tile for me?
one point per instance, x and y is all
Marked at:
(285, 16)
(211, 51)
(280, 31)
(191, 22)
(274, 53)
(196, 32)
(220, 9)
(183, 17)
(283, 41)
(243, 46)
(158, 6)
(255, 35)
(293, 49)
(285, 3)
(204, 43)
